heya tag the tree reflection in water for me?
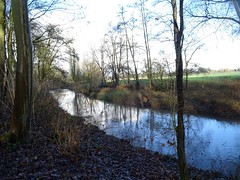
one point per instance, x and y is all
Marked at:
(210, 144)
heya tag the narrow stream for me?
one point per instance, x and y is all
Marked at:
(210, 144)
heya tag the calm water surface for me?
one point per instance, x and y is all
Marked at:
(210, 144)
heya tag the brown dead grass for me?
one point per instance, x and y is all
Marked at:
(221, 100)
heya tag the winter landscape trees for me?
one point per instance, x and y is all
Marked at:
(147, 40)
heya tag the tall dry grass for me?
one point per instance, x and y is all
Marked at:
(53, 123)
(211, 98)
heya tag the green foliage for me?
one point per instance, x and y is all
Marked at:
(90, 77)
(116, 95)
(5, 137)
(120, 95)
(105, 94)
(10, 137)
(44, 64)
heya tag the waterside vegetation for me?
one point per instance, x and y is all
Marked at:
(215, 94)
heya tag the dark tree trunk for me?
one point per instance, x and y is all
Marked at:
(178, 42)
(21, 118)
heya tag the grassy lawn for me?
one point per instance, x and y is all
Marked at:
(220, 77)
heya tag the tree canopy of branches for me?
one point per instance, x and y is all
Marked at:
(224, 11)
(50, 47)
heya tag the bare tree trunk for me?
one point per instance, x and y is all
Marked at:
(22, 110)
(2, 46)
(132, 52)
(178, 42)
(146, 42)
(104, 82)
(128, 68)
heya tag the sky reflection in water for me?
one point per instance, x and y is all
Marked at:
(210, 144)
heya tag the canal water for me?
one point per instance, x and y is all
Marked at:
(210, 144)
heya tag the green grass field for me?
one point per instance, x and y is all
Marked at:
(215, 77)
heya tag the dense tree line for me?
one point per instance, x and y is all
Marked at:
(30, 52)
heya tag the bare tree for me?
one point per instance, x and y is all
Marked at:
(22, 112)
(158, 69)
(188, 55)
(178, 28)
(101, 63)
(222, 10)
(37, 9)
(90, 76)
(131, 47)
(146, 41)
(74, 63)
(49, 50)
(114, 46)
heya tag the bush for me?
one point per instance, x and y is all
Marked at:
(55, 124)
(118, 95)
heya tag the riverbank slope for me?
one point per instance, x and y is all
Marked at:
(218, 99)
